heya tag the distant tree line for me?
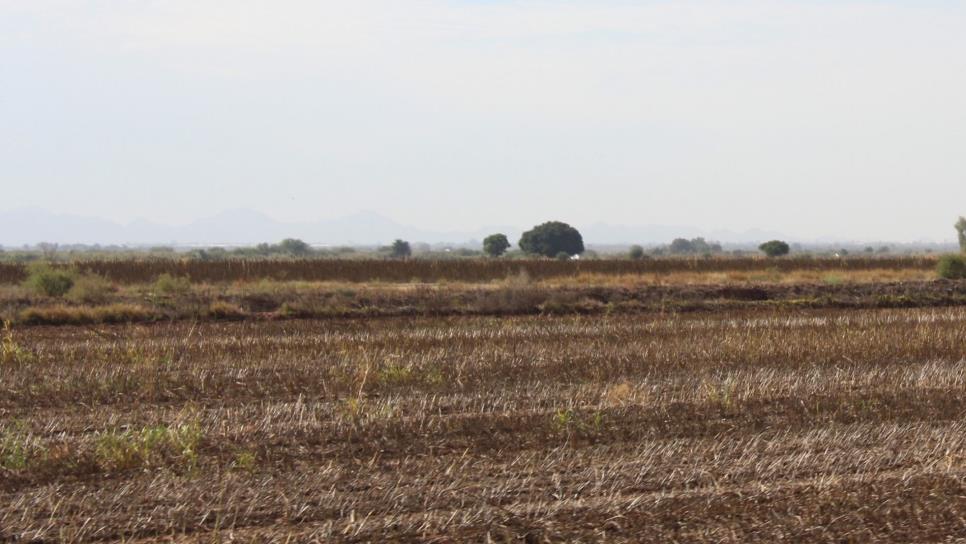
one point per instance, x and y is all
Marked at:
(552, 239)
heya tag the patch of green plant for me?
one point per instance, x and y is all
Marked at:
(562, 420)
(48, 281)
(770, 275)
(832, 279)
(90, 289)
(166, 284)
(10, 351)
(568, 421)
(952, 267)
(245, 461)
(395, 374)
(356, 409)
(298, 309)
(149, 447)
(15, 447)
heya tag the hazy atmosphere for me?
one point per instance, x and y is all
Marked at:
(810, 119)
(502, 271)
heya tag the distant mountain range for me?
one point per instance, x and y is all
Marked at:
(246, 227)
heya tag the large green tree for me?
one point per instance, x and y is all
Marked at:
(552, 238)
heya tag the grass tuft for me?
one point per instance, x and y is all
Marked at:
(150, 446)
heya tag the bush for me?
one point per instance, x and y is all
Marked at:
(90, 289)
(166, 284)
(48, 281)
(952, 267)
(636, 253)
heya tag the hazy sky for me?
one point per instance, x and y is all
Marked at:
(811, 118)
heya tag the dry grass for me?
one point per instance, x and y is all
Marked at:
(60, 314)
(766, 277)
(515, 295)
(816, 425)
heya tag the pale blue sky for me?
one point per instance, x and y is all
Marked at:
(811, 118)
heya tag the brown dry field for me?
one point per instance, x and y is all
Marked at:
(756, 423)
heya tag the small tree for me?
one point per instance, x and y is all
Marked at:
(774, 248)
(681, 245)
(636, 252)
(495, 245)
(552, 238)
(48, 250)
(400, 249)
(961, 232)
(293, 246)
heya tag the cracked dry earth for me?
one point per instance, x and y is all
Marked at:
(741, 426)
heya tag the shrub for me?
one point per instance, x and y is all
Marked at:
(636, 253)
(90, 289)
(48, 281)
(166, 284)
(952, 267)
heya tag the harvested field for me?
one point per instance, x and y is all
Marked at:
(746, 424)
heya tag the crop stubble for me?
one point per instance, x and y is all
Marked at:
(736, 425)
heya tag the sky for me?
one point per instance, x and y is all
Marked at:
(813, 118)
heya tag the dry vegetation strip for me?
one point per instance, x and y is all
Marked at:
(740, 425)
(468, 270)
(178, 299)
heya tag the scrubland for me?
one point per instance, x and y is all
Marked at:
(730, 410)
